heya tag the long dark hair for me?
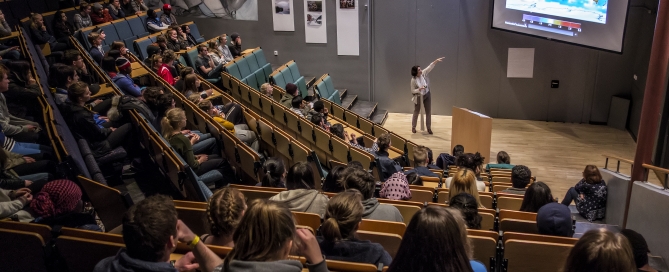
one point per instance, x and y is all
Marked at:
(536, 196)
(468, 205)
(274, 170)
(332, 182)
(434, 225)
(414, 70)
(300, 176)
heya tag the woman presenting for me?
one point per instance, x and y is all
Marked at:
(421, 95)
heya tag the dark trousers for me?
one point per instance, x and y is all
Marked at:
(427, 103)
(120, 136)
(571, 195)
(26, 136)
(213, 163)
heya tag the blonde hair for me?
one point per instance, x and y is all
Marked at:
(33, 19)
(170, 123)
(343, 213)
(266, 86)
(464, 181)
(155, 59)
(213, 48)
(420, 155)
(169, 55)
(262, 233)
(225, 210)
(195, 98)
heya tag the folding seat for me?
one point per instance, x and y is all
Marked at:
(251, 119)
(407, 211)
(302, 153)
(196, 33)
(142, 19)
(52, 5)
(362, 156)
(279, 80)
(236, 89)
(283, 143)
(194, 218)
(140, 46)
(19, 10)
(342, 266)
(327, 104)
(307, 131)
(191, 57)
(260, 57)
(486, 199)
(517, 221)
(487, 218)
(280, 115)
(509, 202)
(351, 118)
(294, 71)
(260, 77)
(411, 146)
(92, 235)
(500, 187)
(70, 12)
(322, 89)
(230, 147)
(338, 111)
(195, 204)
(257, 194)
(396, 141)
(42, 230)
(531, 252)
(83, 37)
(255, 101)
(378, 130)
(110, 204)
(83, 254)
(267, 133)
(244, 69)
(302, 86)
(267, 105)
(293, 122)
(287, 75)
(277, 93)
(110, 32)
(253, 63)
(23, 251)
(37, 6)
(250, 162)
(322, 143)
(233, 70)
(390, 242)
(311, 220)
(366, 126)
(251, 79)
(339, 149)
(422, 195)
(48, 20)
(485, 243)
(137, 26)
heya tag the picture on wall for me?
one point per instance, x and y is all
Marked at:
(315, 6)
(347, 4)
(225, 9)
(314, 19)
(282, 6)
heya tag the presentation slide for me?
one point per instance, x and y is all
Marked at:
(593, 23)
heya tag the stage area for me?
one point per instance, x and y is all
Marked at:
(555, 152)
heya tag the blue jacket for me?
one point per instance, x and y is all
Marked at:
(422, 171)
(96, 54)
(127, 86)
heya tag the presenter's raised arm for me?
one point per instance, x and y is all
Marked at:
(429, 67)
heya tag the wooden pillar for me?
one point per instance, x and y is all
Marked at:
(656, 86)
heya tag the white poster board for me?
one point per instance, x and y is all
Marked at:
(348, 36)
(315, 30)
(520, 63)
(283, 15)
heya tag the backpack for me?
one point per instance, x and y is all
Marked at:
(445, 160)
(127, 103)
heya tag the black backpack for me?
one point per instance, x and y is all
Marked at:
(127, 103)
(445, 160)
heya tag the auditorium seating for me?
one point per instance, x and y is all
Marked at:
(515, 221)
(22, 251)
(531, 252)
(326, 89)
(110, 204)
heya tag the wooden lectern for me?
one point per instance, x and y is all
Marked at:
(471, 130)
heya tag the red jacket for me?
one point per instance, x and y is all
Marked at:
(97, 19)
(164, 73)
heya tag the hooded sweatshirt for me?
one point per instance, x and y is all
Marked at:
(377, 211)
(124, 263)
(275, 266)
(303, 200)
(353, 250)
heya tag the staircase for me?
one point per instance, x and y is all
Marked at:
(364, 108)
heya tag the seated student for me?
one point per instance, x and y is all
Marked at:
(153, 23)
(388, 166)
(396, 187)
(216, 55)
(342, 219)
(124, 78)
(435, 225)
(420, 163)
(74, 59)
(301, 195)
(242, 132)
(13, 204)
(414, 179)
(83, 18)
(151, 50)
(206, 164)
(236, 48)
(82, 122)
(600, 250)
(338, 130)
(291, 92)
(445, 160)
(115, 9)
(639, 249)
(173, 42)
(23, 91)
(464, 181)
(40, 35)
(18, 171)
(100, 15)
(224, 49)
(316, 120)
(430, 160)
(161, 43)
(332, 183)
(297, 106)
(275, 174)
(363, 181)
(59, 204)
(61, 27)
(22, 148)
(108, 65)
(150, 230)
(167, 17)
(266, 89)
(205, 63)
(180, 83)
(20, 129)
(274, 222)
(589, 194)
(468, 205)
(536, 196)
(474, 163)
(318, 109)
(555, 219)
(224, 211)
(161, 69)
(193, 85)
(120, 46)
(96, 51)
(189, 37)
(139, 6)
(503, 162)
(520, 178)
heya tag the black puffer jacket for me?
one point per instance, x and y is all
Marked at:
(82, 123)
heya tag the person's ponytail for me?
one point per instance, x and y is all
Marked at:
(166, 127)
(330, 230)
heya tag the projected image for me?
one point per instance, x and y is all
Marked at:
(586, 10)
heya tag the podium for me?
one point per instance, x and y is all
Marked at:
(471, 130)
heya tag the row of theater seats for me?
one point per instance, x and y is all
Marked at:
(252, 69)
(13, 11)
(289, 73)
(326, 90)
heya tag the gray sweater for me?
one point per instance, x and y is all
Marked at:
(303, 200)
(275, 266)
(11, 125)
(377, 211)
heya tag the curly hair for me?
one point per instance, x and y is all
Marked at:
(471, 161)
(224, 211)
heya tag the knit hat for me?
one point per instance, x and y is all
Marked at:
(56, 197)
(555, 219)
(96, 7)
(396, 187)
(152, 50)
(234, 36)
(291, 88)
(122, 63)
(167, 7)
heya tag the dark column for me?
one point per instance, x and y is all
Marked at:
(652, 97)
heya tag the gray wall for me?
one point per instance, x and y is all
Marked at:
(473, 74)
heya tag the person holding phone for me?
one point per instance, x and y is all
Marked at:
(421, 95)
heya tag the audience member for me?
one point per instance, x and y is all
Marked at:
(363, 181)
(600, 250)
(170, 61)
(396, 187)
(639, 249)
(445, 160)
(205, 63)
(61, 27)
(287, 98)
(333, 181)
(536, 196)
(21, 130)
(555, 219)
(520, 177)
(224, 49)
(151, 50)
(434, 225)
(23, 91)
(167, 17)
(96, 51)
(124, 78)
(589, 194)
(161, 43)
(74, 59)
(318, 109)
(5, 29)
(59, 204)
(22, 148)
(224, 211)
(100, 15)
(297, 106)
(162, 70)
(414, 179)
(61, 77)
(275, 173)
(180, 83)
(318, 121)
(13, 204)
(113, 53)
(173, 42)
(464, 181)
(468, 205)
(153, 23)
(236, 48)
(387, 165)
(83, 19)
(40, 35)
(430, 160)
(503, 162)
(420, 163)
(302, 195)
(458, 150)
(242, 132)
(193, 85)
(339, 242)
(189, 37)
(115, 9)
(127, 8)
(139, 6)
(108, 65)
(150, 230)
(181, 36)
(473, 162)
(120, 46)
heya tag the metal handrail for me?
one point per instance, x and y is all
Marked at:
(618, 159)
(660, 170)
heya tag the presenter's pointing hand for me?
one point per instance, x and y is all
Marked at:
(440, 59)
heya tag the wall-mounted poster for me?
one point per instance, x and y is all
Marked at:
(348, 31)
(346, 4)
(225, 9)
(283, 17)
(315, 30)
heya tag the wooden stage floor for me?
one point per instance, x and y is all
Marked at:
(556, 153)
